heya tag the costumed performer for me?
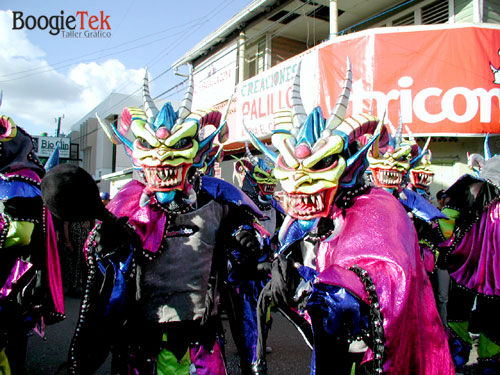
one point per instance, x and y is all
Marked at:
(156, 272)
(472, 258)
(369, 282)
(31, 292)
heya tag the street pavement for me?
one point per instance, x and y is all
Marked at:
(289, 354)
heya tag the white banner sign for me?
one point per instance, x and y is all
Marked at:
(46, 145)
(214, 81)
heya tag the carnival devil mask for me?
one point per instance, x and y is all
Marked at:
(421, 173)
(167, 144)
(17, 151)
(315, 156)
(390, 163)
(256, 176)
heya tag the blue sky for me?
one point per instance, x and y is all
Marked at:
(44, 76)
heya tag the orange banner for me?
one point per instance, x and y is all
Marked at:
(443, 80)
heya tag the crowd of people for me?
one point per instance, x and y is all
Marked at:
(353, 251)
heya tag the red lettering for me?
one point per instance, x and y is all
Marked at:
(93, 20)
(288, 94)
(104, 21)
(261, 114)
(253, 116)
(81, 14)
(245, 108)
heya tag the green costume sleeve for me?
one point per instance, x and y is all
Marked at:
(447, 226)
(19, 233)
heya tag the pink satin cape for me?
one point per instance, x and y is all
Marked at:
(378, 236)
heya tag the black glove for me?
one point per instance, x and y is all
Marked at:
(248, 248)
(114, 235)
(247, 240)
(284, 281)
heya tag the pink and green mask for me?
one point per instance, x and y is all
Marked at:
(316, 157)
(421, 173)
(391, 162)
(256, 176)
(167, 145)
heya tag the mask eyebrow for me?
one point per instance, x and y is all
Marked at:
(333, 145)
(189, 130)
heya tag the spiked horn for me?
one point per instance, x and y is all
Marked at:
(185, 107)
(399, 133)
(149, 106)
(299, 115)
(338, 113)
(410, 134)
(487, 151)
(357, 125)
(378, 131)
(253, 159)
(426, 145)
(421, 153)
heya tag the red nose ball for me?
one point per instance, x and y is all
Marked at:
(302, 151)
(162, 133)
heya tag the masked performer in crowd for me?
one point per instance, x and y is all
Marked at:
(421, 173)
(473, 261)
(255, 178)
(369, 282)
(396, 165)
(30, 280)
(155, 273)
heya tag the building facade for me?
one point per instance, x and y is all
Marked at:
(435, 62)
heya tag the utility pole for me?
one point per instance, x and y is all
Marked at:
(58, 120)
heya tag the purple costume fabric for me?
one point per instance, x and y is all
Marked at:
(18, 271)
(474, 263)
(149, 224)
(208, 362)
(378, 236)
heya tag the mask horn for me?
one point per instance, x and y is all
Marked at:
(185, 107)
(248, 154)
(399, 133)
(410, 134)
(299, 115)
(378, 131)
(338, 113)
(426, 146)
(149, 106)
(487, 151)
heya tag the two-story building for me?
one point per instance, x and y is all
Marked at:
(434, 62)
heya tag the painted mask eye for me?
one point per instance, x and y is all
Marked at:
(143, 144)
(326, 162)
(260, 175)
(182, 143)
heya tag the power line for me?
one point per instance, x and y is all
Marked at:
(249, 40)
(61, 64)
(218, 8)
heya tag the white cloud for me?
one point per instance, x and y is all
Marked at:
(98, 80)
(43, 93)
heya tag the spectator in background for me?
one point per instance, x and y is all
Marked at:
(104, 197)
(74, 272)
(441, 198)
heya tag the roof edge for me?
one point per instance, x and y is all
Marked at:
(223, 31)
